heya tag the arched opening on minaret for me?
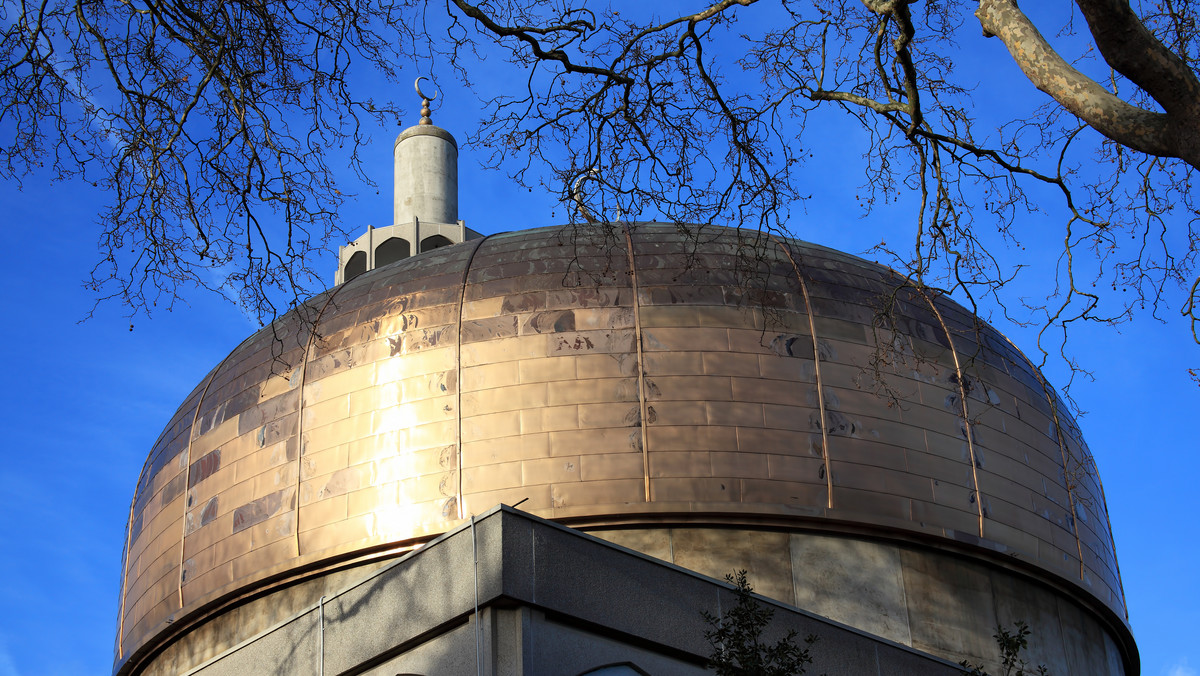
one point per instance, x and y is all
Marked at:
(355, 266)
(434, 242)
(392, 250)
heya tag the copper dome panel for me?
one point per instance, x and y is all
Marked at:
(560, 369)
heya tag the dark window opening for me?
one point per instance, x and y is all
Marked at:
(434, 242)
(355, 266)
(392, 250)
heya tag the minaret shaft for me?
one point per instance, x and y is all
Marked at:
(426, 176)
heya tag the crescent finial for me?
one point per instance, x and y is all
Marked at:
(417, 85)
(425, 99)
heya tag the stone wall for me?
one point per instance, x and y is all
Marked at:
(932, 600)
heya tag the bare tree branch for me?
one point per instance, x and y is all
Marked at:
(215, 127)
(1143, 130)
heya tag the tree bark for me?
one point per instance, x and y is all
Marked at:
(1129, 47)
(1136, 55)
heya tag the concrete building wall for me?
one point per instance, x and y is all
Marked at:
(932, 600)
(549, 601)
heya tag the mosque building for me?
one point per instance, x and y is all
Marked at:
(532, 453)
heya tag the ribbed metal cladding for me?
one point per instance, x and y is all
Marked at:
(530, 366)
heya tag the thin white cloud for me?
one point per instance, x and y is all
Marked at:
(1180, 668)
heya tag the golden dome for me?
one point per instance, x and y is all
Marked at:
(634, 376)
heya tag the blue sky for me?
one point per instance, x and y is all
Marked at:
(82, 402)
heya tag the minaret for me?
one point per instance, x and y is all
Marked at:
(425, 202)
(426, 171)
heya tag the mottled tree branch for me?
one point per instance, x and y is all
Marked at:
(1136, 54)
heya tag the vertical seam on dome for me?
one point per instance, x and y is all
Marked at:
(1062, 449)
(187, 473)
(300, 412)
(812, 329)
(966, 416)
(124, 577)
(458, 381)
(1112, 545)
(125, 564)
(637, 339)
(1047, 390)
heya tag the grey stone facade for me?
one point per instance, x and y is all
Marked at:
(550, 600)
